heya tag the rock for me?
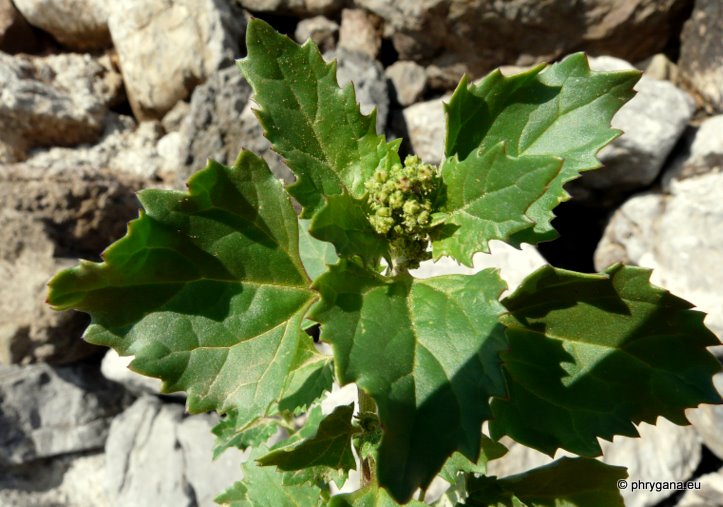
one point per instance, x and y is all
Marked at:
(425, 124)
(49, 217)
(252, 135)
(360, 32)
(701, 52)
(514, 264)
(115, 368)
(155, 456)
(174, 118)
(710, 493)
(708, 421)
(16, 35)
(79, 24)
(705, 153)
(321, 30)
(75, 480)
(367, 75)
(475, 36)
(408, 81)
(301, 8)
(166, 48)
(660, 67)
(652, 123)
(664, 452)
(47, 411)
(678, 235)
(55, 100)
(518, 459)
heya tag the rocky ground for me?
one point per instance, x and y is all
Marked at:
(99, 99)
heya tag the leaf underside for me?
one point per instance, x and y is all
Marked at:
(562, 110)
(426, 351)
(590, 355)
(207, 291)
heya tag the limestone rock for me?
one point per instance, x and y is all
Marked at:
(301, 8)
(360, 31)
(321, 30)
(705, 153)
(425, 126)
(55, 100)
(710, 493)
(708, 421)
(80, 24)
(166, 48)
(46, 411)
(408, 81)
(15, 33)
(701, 52)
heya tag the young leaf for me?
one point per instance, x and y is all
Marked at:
(458, 463)
(371, 496)
(591, 354)
(427, 353)
(230, 433)
(488, 195)
(567, 482)
(329, 445)
(315, 254)
(207, 290)
(563, 110)
(316, 126)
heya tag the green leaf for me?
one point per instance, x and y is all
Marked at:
(488, 196)
(230, 433)
(206, 290)
(371, 496)
(563, 110)
(427, 353)
(316, 126)
(315, 254)
(567, 482)
(329, 446)
(458, 463)
(311, 375)
(591, 354)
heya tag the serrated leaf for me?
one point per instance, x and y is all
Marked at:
(206, 289)
(329, 446)
(426, 352)
(315, 254)
(371, 496)
(458, 463)
(567, 482)
(310, 376)
(315, 125)
(230, 433)
(488, 195)
(562, 110)
(592, 354)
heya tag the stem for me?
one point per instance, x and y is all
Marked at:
(366, 404)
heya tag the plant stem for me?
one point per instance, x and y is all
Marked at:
(368, 472)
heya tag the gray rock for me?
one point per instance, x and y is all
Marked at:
(425, 124)
(664, 452)
(80, 24)
(155, 456)
(167, 48)
(705, 153)
(652, 123)
(408, 81)
(16, 35)
(708, 421)
(678, 235)
(701, 52)
(301, 8)
(46, 411)
(55, 100)
(710, 493)
(321, 30)
(360, 32)
(174, 118)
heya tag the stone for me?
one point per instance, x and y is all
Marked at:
(16, 35)
(660, 67)
(425, 125)
(678, 235)
(704, 153)
(174, 118)
(79, 24)
(710, 493)
(115, 368)
(360, 31)
(476, 36)
(156, 456)
(652, 121)
(701, 52)
(321, 30)
(166, 48)
(664, 452)
(55, 100)
(407, 80)
(367, 75)
(301, 8)
(708, 421)
(47, 411)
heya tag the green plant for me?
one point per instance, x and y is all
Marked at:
(211, 290)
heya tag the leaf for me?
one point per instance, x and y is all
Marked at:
(311, 122)
(567, 482)
(371, 496)
(206, 290)
(329, 446)
(229, 433)
(426, 352)
(562, 110)
(315, 254)
(591, 354)
(458, 463)
(488, 196)
(310, 376)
